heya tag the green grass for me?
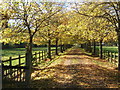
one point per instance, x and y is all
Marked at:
(109, 48)
(14, 53)
(6, 53)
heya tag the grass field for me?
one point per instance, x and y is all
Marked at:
(109, 48)
(6, 53)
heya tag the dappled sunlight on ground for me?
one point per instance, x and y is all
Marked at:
(77, 75)
(75, 71)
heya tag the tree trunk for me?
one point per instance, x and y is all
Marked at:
(28, 61)
(101, 49)
(56, 46)
(49, 49)
(86, 47)
(94, 47)
(118, 34)
(81, 45)
(63, 47)
(5, 24)
(89, 46)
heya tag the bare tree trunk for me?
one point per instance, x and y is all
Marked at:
(29, 61)
(63, 48)
(94, 47)
(101, 49)
(89, 46)
(82, 46)
(86, 46)
(49, 49)
(118, 51)
(56, 46)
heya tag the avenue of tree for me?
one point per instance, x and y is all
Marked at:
(55, 23)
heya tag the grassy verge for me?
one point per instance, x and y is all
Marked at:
(44, 64)
(109, 48)
(6, 53)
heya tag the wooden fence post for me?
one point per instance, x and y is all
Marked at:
(2, 73)
(18, 70)
(54, 53)
(46, 55)
(51, 53)
(19, 60)
(10, 66)
(115, 58)
(20, 65)
(42, 55)
(39, 56)
(111, 57)
(108, 56)
(63, 47)
(36, 58)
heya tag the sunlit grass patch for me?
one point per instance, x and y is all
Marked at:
(109, 48)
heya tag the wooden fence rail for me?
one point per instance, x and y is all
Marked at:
(14, 69)
(13, 74)
(108, 55)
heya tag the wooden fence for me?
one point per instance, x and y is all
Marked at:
(38, 56)
(109, 56)
(13, 72)
(14, 69)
